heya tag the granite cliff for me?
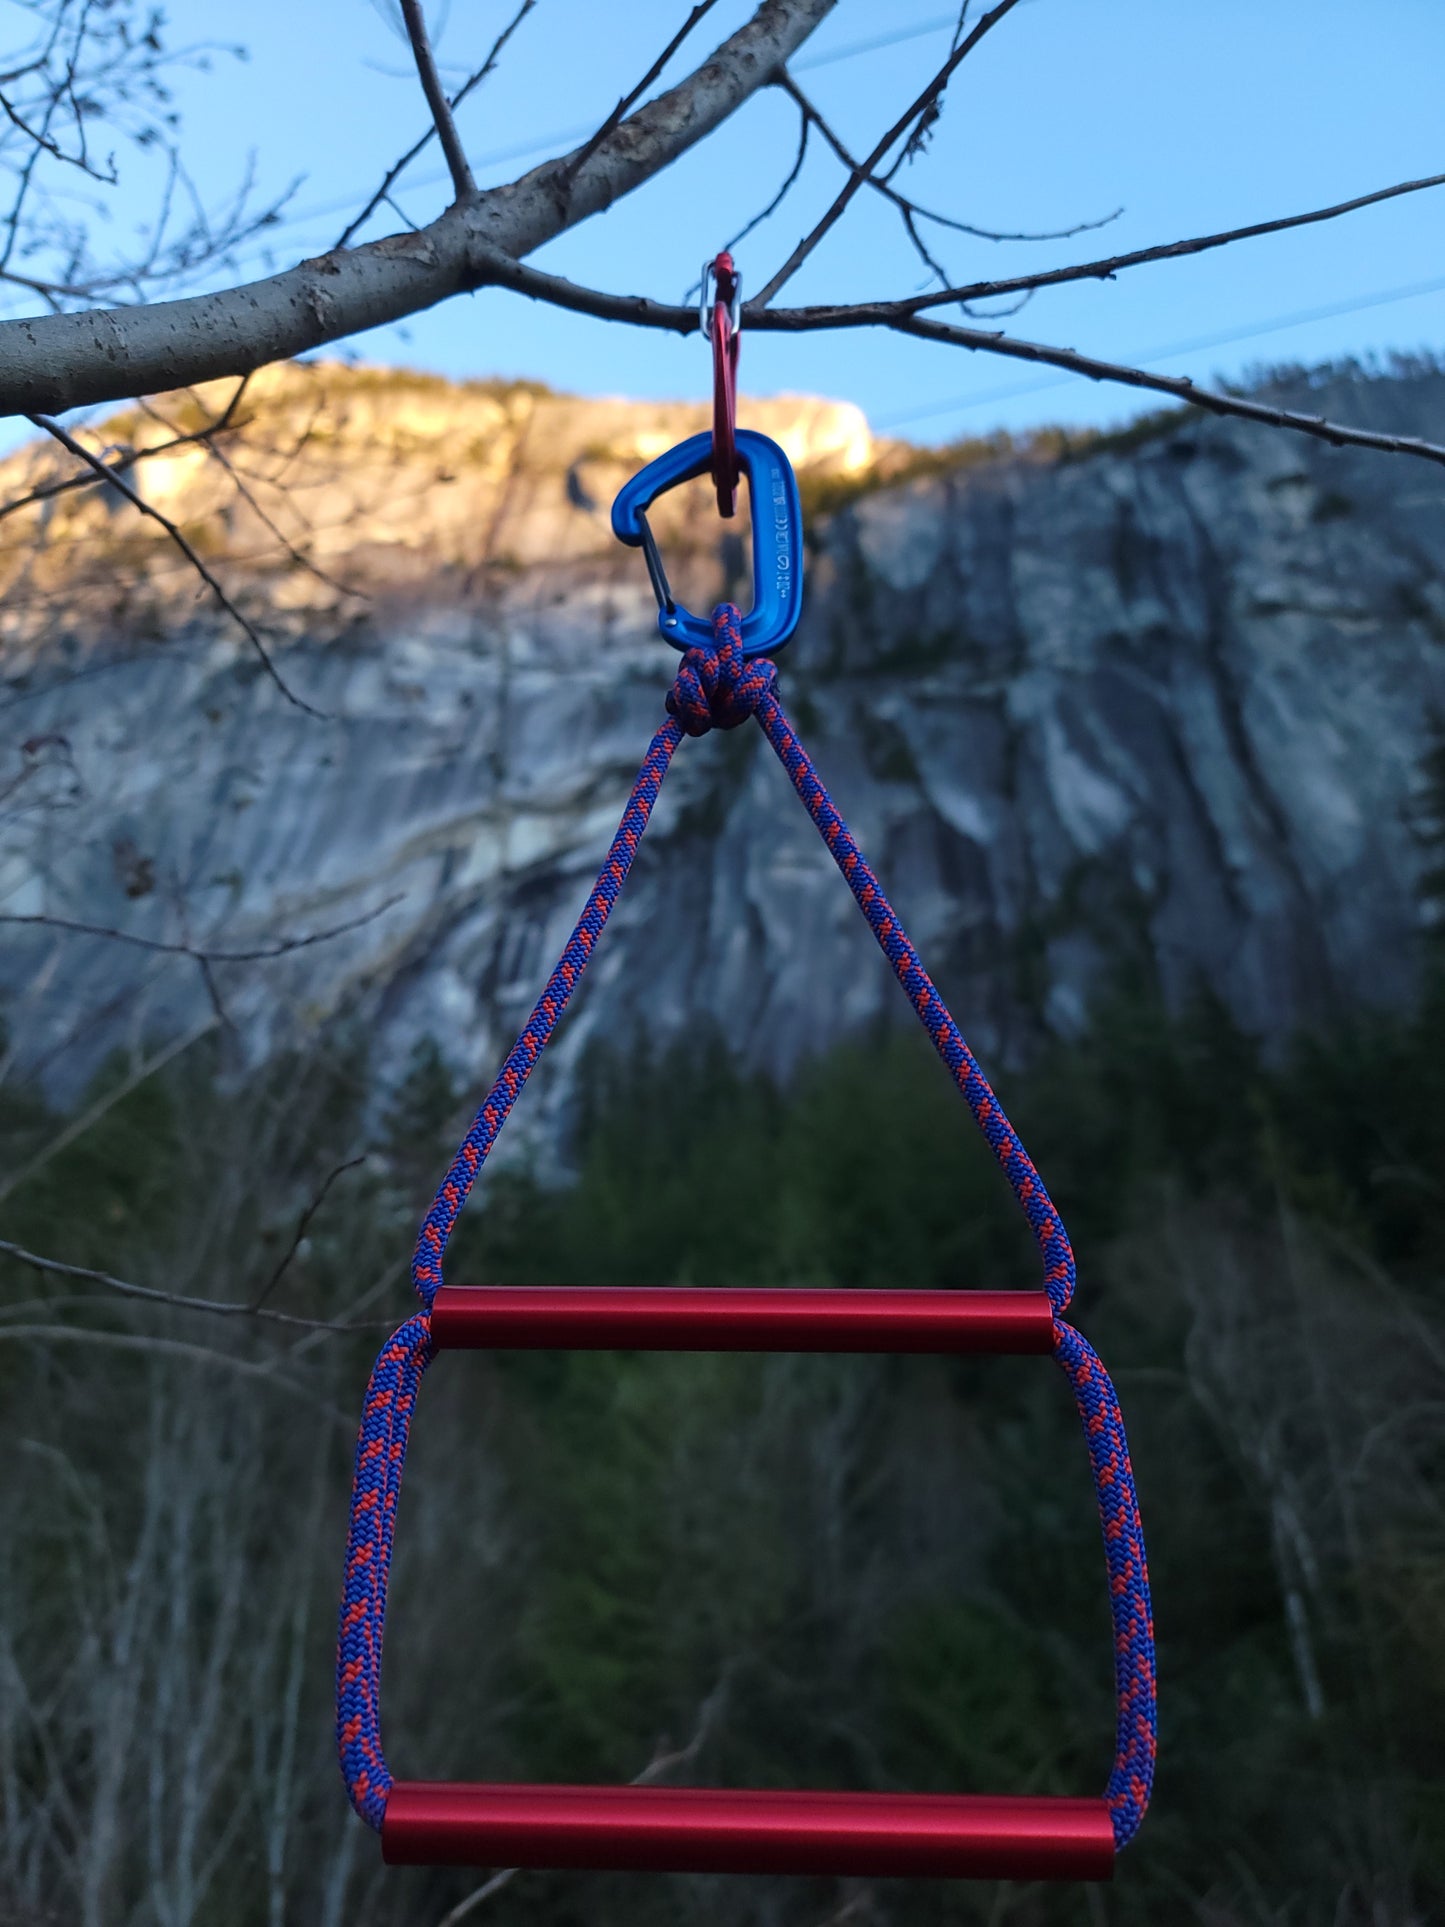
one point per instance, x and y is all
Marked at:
(1162, 698)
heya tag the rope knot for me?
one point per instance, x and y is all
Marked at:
(718, 688)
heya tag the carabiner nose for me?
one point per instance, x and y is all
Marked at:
(777, 539)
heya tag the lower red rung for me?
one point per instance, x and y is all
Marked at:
(707, 1830)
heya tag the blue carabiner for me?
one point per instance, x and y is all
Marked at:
(777, 539)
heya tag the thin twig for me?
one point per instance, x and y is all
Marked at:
(1105, 270)
(1177, 387)
(106, 1102)
(262, 953)
(398, 168)
(804, 128)
(927, 100)
(248, 496)
(180, 1301)
(205, 960)
(394, 1268)
(436, 99)
(613, 121)
(150, 1346)
(862, 1904)
(46, 491)
(641, 311)
(662, 1762)
(302, 1225)
(911, 211)
(478, 1897)
(118, 481)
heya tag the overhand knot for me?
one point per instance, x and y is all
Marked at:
(719, 688)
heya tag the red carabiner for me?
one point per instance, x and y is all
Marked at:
(720, 324)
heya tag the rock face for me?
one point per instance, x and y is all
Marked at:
(1164, 699)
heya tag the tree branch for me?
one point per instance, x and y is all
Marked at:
(663, 1762)
(102, 1105)
(68, 360)
(436, 99)
(585, 154)
(248, 496)
(263, 953)
(302, 1225)
(64, 485)
(907, 206)
(1105, 270)
(862, 173)
(152, 1346)
(804, 127)
(173, 530)
(640, 311)
(398, 168)
(61, 361)
(1177, 387)
(180, 1301)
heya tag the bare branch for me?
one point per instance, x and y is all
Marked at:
(482, 243)
(1105, 270)
(804, 127)
(106, 1102)
(436, 99)
(1177, 387)
(478, 1897)
(66, 484)
(205, 960)
(398, 168)
(925, 102)
(384, 1280)
(614, 119)
(152, 1346)
(103, 65)
(172, 529)
(665, 1760)
(262, 953)
(640, 311)
(179, 1301)
(911, 210)
(298, 556)
(51, 362)
(248, 496)
(302, 1224)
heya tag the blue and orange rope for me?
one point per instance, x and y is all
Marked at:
(718, 688)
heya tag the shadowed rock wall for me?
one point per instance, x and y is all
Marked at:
(1165, 700)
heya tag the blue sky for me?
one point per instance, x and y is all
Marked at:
(1190, 118)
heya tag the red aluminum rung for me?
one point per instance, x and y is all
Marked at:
(706, 1830)
(671, 1318)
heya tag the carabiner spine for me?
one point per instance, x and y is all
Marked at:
(777, 539)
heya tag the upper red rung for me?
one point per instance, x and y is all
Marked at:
(665, 1318)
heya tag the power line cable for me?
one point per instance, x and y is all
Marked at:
(548, 143)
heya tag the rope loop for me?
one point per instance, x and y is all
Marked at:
(380, 1454)
(719, 688)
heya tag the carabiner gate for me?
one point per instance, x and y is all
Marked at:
(712, 291)
(777, 539)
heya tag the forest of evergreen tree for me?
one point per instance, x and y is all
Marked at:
(870, 1572)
